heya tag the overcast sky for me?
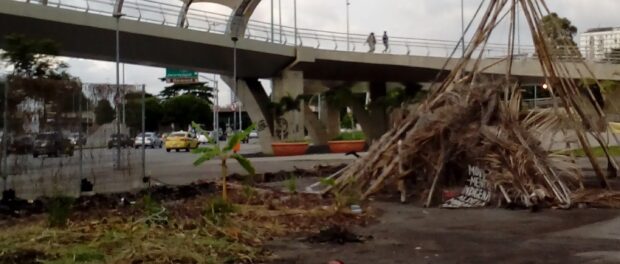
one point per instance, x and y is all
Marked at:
(432, 19)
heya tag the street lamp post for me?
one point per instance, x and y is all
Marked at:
(295, 19)
(272, 28)
(234, 39)
(280, 18)
(348, 35)
(462, 30)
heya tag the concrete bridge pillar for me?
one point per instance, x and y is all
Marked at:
(330, 117)
(254, 99)
(291, 125)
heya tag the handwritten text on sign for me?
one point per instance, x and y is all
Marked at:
(475, 193)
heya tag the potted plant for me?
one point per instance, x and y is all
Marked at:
(345, 142)
(288, 147)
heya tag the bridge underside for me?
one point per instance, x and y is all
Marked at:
(99, 44)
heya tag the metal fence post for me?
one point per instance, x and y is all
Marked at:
(143, 134)
(5, 136)
(79, 139)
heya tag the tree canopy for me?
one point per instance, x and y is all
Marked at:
(38, 75)
(104, 113)
(200, 90)
(33, 58)
(153, 112)
(183, 109)
(559, 30)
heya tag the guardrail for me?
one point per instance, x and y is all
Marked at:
(167, 14)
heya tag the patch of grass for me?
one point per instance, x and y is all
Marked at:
(352, 135)
(597, 151)
(81, 254)
(59, 210)
(221, 232)
(219, 210)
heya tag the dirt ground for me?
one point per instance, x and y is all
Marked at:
(407, 233)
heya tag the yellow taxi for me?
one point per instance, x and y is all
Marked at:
(181, 140)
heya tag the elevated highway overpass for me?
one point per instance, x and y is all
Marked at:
(91, 35)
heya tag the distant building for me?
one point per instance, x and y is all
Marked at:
(596, 43)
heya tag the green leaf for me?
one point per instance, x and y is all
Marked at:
(207, 155)
(245, 163)
(198, 128)
(204, 150)
(237, 137)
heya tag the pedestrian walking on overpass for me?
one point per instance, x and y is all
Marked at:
(385, 42)
(372, 42)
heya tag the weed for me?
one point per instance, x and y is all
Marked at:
(155, 213)
(218, 211)
(248, 193)
(329, 182)
(343, 197)
(291, 184)
(59, 210)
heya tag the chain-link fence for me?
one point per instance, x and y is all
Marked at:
(65, 137)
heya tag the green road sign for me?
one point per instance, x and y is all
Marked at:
(180, 74)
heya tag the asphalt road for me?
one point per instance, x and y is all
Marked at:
(33, 177)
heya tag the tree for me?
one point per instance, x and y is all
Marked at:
(559, 32)
(37, 74)
(153, 111)
(183, 109)
(32, 58)
(104, 113)
(200, 90)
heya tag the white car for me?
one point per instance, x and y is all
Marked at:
(150, 140)
(253, 134)
(202, 139)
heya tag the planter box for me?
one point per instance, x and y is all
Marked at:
(289, 149)
(346, 146)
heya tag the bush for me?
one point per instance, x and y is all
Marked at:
(59, 210)
(353, 135)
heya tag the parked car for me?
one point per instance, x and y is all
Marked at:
(253, 134)
(120, 139)
(52, 144)
(181, 140)
(77, 139)
(151, 140)
(23, 144)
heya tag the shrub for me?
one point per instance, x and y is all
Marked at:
(59, 210)
(353, 135)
